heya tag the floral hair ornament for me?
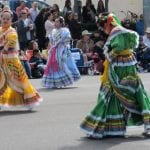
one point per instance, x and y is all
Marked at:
(112, 20)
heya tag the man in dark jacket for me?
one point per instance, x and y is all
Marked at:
(25, 29)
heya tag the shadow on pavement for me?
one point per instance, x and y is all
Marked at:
(53, 89)
(105, 143)
(12, 112)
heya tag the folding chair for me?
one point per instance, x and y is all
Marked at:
(84, 68)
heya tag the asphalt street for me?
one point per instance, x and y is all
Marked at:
(54, 125)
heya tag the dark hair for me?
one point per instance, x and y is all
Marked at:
(1, 5)
(31, 45)
(35, 51)
(22, 2)
(102, 19)
(88, 2)
(47, 15)
(52, 10)
(57, 7)
(61, 20)
(42, 12)
(67, 2)
(100, 7)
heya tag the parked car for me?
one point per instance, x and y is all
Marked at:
(15, 3)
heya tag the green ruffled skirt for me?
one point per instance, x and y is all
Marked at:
(122, 101)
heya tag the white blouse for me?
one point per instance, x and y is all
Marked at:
(49, 26)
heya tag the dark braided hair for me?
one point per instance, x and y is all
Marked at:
(102, 19)
(61, 20)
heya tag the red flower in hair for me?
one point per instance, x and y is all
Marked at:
(108, 23)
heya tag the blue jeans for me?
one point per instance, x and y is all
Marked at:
(27, 67)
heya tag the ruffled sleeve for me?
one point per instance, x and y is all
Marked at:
(66, 36)
(124, 41)
(61, 36)
(11, 40)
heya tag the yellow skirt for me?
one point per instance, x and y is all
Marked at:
(15, 88)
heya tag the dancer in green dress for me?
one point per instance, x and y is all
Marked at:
(122, 99)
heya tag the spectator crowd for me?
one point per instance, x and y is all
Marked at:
(34, 28)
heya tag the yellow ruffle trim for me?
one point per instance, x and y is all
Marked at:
(104, 77)
(11, 40)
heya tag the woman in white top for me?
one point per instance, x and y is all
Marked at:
(49, 23)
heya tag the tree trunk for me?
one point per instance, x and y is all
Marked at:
(77, 8)
(106, 5)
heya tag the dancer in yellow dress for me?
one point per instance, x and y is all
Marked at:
(15, 88)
